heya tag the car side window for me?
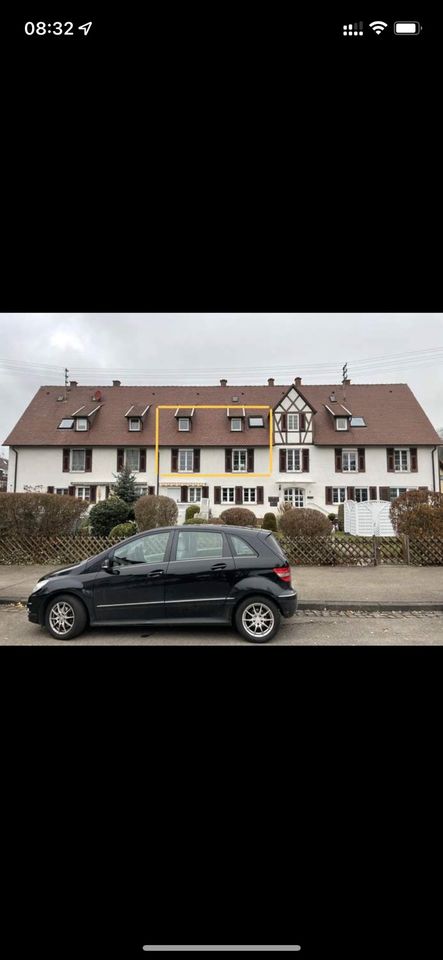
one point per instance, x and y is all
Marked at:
(199, 545)
(241, 548)
(149, 549)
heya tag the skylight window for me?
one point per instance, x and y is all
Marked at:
(66, 424)
(358, 422)
(256, 422)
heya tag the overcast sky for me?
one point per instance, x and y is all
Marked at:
(140, 348)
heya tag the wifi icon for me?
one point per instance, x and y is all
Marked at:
(378, 26)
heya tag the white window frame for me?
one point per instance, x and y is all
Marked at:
(137, 451)
(341, 420)
(398, 491)
(83, 421)
(195, 494)
(82, 495)
(346, 454)
(241, 453)
(400, 451)
(236, 420)
(134, 424)
(141, 489)
(290, 455)
(294, 494)
(337, 494)
(184, 424)
(226, 495)
(249, 495)
(78, 469)
(292, 417)
(360, 490)
(62, 491)
(188, 454)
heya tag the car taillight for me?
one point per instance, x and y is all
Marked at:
(284, 573)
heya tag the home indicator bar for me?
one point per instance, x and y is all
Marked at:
(268, 949)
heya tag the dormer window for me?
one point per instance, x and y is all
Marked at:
(81, 423)
(341, 423)
(184, 424)
(134, 423)
(236, 423)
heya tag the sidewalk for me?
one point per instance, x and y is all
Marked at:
(335, 588)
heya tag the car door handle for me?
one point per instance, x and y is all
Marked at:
(156, 573)
(219, 566)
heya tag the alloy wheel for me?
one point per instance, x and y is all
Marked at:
(258, 620)
(61, 618)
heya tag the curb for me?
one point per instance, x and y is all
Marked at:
(363, 605)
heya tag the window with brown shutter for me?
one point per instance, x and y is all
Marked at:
(205, 491)
(239, 494)
(328, 494)
(50, 489)
(92, 494)
(283, 421)
(196, 461)
(338, 465)
(390, 461)
(350, 493)
(120, 459)
(217, 494)
(423, 488)
(372, 493)
(361, 459)
(302, 421)
(250, 461)
(142, 465)
(72, 491)
(305, 461)
(151, 491)
(384, 493)
(184, 495)
(228, 461)
(282, 456)
(260, 494)
(65, 459)
(88, 461)
(414, 459)
(174, 460)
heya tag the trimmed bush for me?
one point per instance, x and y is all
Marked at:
(341, 516)
(304, 523)
(153, 511)
(107, 514)
(269, 522)
(48, 514)
(239, 517)
(191, 511)
(418, 513)
(124, 530)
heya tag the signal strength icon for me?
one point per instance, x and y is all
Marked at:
(378, 26)
(353, 29)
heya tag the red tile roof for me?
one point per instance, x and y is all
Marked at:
(392, 414)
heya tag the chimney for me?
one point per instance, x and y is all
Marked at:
(73, 383)
(116, 383)
(346, 383)
(270, 381)
(223, 383)
(332, 397)
(297, 381)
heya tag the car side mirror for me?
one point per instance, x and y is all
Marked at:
(108, 565)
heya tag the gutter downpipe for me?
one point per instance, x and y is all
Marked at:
(433, 469)
(15, 468)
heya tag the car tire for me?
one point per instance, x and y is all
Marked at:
(65, 617)
(257, 619)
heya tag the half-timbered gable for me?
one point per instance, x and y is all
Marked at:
(294, 419)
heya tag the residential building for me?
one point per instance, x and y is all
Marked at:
(3, 473)
(255, 446)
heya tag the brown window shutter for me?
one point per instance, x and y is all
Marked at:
(151, 491)
(283, 421)
(302, 421)
(361, 459)
(282, 455)
(250, 460)
(390, 460)
(72, 491)
(338, 460)
(372, 493)
(107, 491)
(93, 494)
(239, 495)
(50, 490)
(120, 459)
(384, 493)
(174, 460)
(205, 492)
(88, 461)
(65, 459)
(305, 461)
(184, 495)
(328, 494)
(197, 461)
(228, 461)
(217, 494)
(350, 493)
(142, 461)
(414, 459)
(260, 494)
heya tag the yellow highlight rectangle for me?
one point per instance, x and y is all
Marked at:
(210, 406)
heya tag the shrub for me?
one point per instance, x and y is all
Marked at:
(106, 514)
(341, 516)
(153, 511)
(304, 523)
(418, 513)
(48, 514)
(283, 507)
(124, 488)
(269, 522)
(191, 511)
(123, 530)
(239, 517)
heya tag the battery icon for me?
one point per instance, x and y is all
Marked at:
(407, 28)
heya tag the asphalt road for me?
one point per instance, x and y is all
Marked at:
(306, 628)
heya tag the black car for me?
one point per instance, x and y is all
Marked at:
(191, 574)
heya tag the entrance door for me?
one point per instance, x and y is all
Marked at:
(134, 588)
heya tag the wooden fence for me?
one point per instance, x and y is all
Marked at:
(312, 551)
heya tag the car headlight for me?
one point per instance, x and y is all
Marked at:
(39, 585)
